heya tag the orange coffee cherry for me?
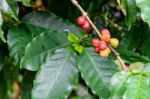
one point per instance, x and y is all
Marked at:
(105, 35)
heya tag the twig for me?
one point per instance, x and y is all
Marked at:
(120, 7)
(113, 24)
(124, 67)
(85, 14)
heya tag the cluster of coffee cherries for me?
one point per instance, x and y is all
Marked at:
(83, 22)
(101, 47)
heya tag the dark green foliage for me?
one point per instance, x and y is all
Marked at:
(59, 52)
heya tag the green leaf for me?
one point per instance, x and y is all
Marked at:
(131, 12)
(144, 5)
(138, 87)
(95, 6)
(82, 92)
(130, 41)
(56, 77)
(135, 67)
(145, 46)
(26, 2)
(96, 71)
(10, 74)
(123, 4)
(146, 68)
(145, 42)
(117, 84)
(27, 85)
(131, 56)
(1, 31)
(3, 55)
(42, 21)
(79, 48)
(73, 38)
(18, 37)
(2, 35)
(40, 48)
(3, 87)
(10, 8)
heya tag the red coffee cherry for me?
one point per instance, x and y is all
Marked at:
(103, 45)
(95, 42)
(105, 31)
(97, 50)
(86, 25)
(81, 20)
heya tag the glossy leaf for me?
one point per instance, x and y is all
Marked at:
(144, 6)
(18, 37)
(132, 42)
(79, 48)
(131, 56)
(41, 46)
(42, 21)
(135, 67)
(117, 84)
(144, 48)
(3, 55)
(73, 38)
(131, 12)
(145, 43)
(82, 92)
(10, 8)
(138, 87)
(1, 31)
(96, 71)
(26, 2)
(56, 77)
(146, 68)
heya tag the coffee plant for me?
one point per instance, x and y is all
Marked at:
(74, 49)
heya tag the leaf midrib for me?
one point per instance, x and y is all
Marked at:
(139, 86)
(67, 43)
(19, 40)
(61, 67)
(37, 25)
(95, 67)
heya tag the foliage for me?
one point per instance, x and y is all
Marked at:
(45, 55)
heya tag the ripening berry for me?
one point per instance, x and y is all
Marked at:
(102, 45)
(97, 50)
(105, 35)
(114, 42)
(108, 49)
(81, 20)
(95, 42)
(104, 53)
(86, 25)
(105, 31)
